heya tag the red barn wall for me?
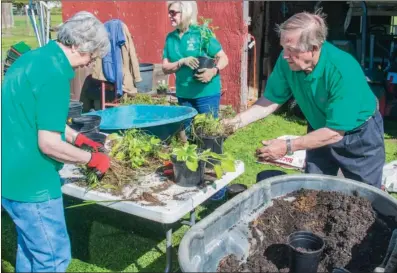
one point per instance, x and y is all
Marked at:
(149, 24)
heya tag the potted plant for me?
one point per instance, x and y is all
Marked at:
(209, 132)
(206, 33)
(189, 164)
(162, 88)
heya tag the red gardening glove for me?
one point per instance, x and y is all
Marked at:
(100, 162)
(83, 140)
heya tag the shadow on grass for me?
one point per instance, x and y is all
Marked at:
(390, 126)
(118, 241)
(105, 238)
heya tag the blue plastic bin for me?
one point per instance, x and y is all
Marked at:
(160, 120)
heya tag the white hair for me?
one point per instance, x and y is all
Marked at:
(312, 27)
(189, 12)
(84, 31)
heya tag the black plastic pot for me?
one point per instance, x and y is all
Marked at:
(215, 144)
(305, 251)
(75, 109)
(86, 124)
(235, 189)
(267, 174)
(185, 177)
(204, 62)
(98, 137)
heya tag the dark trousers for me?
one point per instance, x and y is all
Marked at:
(360, 154)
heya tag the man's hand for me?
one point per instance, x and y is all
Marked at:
(191, 62)
(205, 74)
(100, 163)
(83, 140)
(274, 149)
(231, 125)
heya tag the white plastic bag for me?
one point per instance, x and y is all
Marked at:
(389, 177)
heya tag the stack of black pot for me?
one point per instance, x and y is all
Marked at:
(75, 110)
(87, 125)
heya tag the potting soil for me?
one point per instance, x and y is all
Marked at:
(356, 237)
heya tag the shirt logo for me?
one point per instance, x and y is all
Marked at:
(191, 44)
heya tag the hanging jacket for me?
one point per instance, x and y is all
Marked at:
(129, 64)
(112, 63)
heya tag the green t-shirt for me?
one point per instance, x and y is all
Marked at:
(188, 45)
(35, 96)
(334, 95)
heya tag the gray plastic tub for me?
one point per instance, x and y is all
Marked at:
(225, 231)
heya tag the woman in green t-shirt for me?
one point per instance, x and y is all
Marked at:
(197, 88)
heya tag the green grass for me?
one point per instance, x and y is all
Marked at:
(23, 31)
(106, 240)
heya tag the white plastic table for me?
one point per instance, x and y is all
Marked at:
(171, 211)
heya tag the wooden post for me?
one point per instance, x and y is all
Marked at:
(7, 17)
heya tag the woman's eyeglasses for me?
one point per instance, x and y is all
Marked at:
(173, 13)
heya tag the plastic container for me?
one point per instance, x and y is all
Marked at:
(235, 189)
(205, 62)
(213, 143)
(268, 174)
(185, 177)
(98, 137)
(159, 120)
(75, 109)
(146, 85)
(220, 195)
(305, 251)
(86, 124)
(226, 230)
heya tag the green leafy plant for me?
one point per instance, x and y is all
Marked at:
(207, 125)
(227, 112)
(192, 156)
(133, 154)
(136, 148)
(206, 33)
(143, 99)
(162, 88)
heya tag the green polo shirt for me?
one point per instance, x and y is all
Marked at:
(35, 96)
(188, 45)
(334, 95)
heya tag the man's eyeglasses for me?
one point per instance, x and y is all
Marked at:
(173, 13)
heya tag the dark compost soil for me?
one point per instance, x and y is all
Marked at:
(355, 235)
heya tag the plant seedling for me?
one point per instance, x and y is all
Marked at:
(192, 156)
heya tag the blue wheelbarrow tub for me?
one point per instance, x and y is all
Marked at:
(160, 120)
(226, 230)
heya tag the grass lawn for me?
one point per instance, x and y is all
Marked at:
(105, 240)
(23, 31)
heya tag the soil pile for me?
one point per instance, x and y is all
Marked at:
(356, 236)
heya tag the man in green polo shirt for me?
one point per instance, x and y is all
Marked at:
(345, 129)
(36, 141)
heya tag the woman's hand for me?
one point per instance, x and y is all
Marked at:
(191, 62)
(206, 74)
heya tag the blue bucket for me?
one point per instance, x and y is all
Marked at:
(220, 195)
